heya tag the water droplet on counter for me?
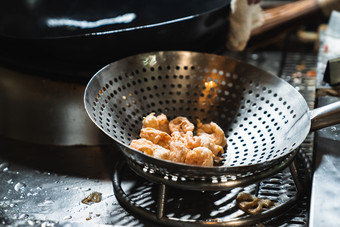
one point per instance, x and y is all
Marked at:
(30, 222)
(10, 181)
(333, 129)
(46, 203)
(4, 167)
(13, 205)
(19, 187)
(67, 217)
(23, 216)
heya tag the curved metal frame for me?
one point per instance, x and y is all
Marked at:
(158, 217)
(199, 185)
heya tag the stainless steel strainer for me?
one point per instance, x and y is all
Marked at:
(264, 118)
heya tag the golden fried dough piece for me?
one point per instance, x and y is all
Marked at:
(181, 124)
(150, 121)
(156, 136)
(202, 141)
(206, 142)
(150, 148)
(178, 147)
(159, 122)
(143, 145)
(163, 123)
(192, 141)
(200, 156)
(215, 133)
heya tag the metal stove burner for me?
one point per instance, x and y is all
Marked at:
(223, 182)
(173, 206)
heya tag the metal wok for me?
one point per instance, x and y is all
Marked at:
(265, 119)
(76, 38)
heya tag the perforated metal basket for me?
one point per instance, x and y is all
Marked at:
(264, 118)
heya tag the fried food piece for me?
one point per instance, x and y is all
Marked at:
(252, 204)
(150, 121)
(202, 141)
(156, 136)
(150, 148)
(161, 152)
(200, 156)
(143, 145)
(159, 122)
(163, 123)
(181, 124)
(192, 141)
(215, 133)
(178, 149)
(94, 197)
(182, 146)
(206, 142)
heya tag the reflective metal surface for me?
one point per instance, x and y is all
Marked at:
(41, 20)
(76, 38)
(43, 185)
(44, 111)
(264, 117)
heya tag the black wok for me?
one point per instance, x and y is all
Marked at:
(75, 38)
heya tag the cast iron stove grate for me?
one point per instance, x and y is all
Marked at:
(164, 204)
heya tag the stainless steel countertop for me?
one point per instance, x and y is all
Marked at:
(325, 198)
(42, 110)
(44, 186)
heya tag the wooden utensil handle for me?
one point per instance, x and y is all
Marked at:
(287, 12)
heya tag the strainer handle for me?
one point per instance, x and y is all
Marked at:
(325, 116)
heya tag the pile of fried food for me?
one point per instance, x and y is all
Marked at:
(179, 140)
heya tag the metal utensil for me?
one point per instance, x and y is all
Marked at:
(265, 119)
